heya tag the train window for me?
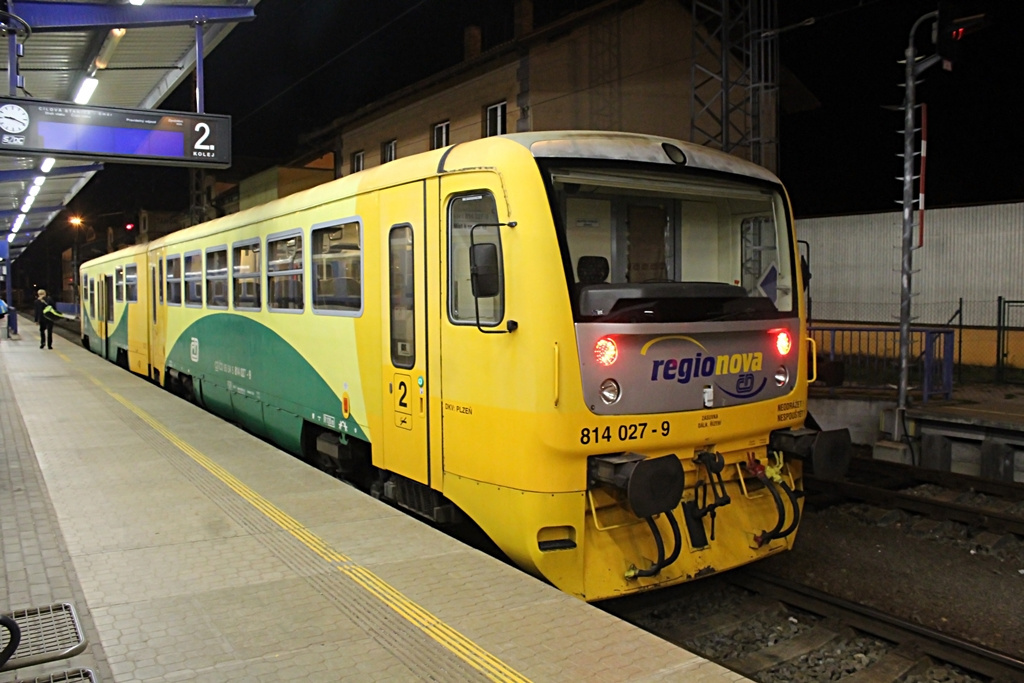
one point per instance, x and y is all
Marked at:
(119, 284)
(108, 286)
(403, 297)
(336, 252)
(284, 272)
(194, 278)
(658, 247)
(217, 277)
(160, 280)
(464, 213)
(131, 283)
(174, 280)
(245, 268)
(92, 297)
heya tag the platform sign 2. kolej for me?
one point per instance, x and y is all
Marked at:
(141, 136)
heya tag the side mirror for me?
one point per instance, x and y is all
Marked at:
(483, 270)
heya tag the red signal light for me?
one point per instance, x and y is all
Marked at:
(783, 341)
(129, 226)
(606, 351)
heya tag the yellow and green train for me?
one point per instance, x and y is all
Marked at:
(592, 345)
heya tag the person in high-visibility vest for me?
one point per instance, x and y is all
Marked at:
(45, 315)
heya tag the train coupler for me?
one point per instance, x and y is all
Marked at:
(713, 463)
(771, 477)
(652, 485)
(828, 450)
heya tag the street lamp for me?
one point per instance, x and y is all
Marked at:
(76, 224)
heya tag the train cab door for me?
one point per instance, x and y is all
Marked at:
(404, 358)
(473, 336)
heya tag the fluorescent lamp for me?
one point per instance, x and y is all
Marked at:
(86, 90)
(136, 2)
(26, 207)
(34, 190)
(106, 51)
(10, 238)
(47, 164)
(40, 179)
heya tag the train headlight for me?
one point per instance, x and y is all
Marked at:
(610, 391)
(606, 351)
(782, 376)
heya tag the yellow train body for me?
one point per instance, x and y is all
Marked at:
(367, 326)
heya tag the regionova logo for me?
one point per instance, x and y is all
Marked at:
(733, 373)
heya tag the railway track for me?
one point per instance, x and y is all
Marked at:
(773, 630)
(982, 504)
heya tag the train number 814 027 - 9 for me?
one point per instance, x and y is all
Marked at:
(624, 432)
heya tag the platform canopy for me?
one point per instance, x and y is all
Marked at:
(138, 52)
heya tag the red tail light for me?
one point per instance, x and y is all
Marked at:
(606, 351)
(783, 342)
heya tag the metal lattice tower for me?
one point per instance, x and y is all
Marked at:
(734, 100)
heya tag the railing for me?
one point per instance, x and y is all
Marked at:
(868, 357)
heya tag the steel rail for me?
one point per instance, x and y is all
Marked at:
(963, 653)
(937, 509)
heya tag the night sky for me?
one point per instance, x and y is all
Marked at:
(841, 157)
(303, 63)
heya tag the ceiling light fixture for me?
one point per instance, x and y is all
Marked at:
(86, 90)
(107, 48)
(47, 164)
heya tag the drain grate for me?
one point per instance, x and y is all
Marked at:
(76, 676)
(47, 633)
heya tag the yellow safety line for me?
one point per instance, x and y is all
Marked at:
(458, 644)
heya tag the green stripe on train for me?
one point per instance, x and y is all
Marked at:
(246, 372)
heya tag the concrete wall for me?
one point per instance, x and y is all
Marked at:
(627, 71)
(463, 105)
(861, 416)
(278, 182)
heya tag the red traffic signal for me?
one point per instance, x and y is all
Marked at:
(129, 226)
(951, 28)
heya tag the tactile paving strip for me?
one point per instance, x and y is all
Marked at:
(408, 644)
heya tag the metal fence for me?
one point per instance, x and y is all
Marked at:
(869, 358)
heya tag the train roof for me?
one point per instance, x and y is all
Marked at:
(637, 147)
(600, 145)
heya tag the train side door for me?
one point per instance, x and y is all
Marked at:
(107, 314)
(156, 303)
(404, 348)
(471, 334)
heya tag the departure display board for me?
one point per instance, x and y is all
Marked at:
(140, 136)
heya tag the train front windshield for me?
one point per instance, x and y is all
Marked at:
(659, 247)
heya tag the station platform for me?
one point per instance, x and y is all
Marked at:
(193, 551)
